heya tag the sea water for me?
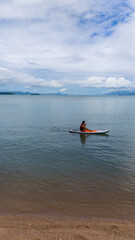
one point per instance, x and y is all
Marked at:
(44, 169)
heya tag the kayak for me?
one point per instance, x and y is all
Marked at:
(89, 131)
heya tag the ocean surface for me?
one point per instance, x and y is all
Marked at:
(44, 169)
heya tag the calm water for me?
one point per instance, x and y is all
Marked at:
(45, 169)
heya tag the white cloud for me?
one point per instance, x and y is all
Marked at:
(93, 81)
(113, 82)
(63, 89)
(13, 78)
(70, 37)
(110, 82)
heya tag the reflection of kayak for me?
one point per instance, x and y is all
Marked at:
(89, 131)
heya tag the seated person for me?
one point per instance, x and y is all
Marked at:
(83, 126)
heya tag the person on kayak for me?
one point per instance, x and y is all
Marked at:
(83, 126)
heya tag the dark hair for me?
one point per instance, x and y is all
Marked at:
(83, 122)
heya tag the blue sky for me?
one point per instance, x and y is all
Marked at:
(69, 46)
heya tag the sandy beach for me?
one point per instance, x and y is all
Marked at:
(15, 227)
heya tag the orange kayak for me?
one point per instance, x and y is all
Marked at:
(89, 131)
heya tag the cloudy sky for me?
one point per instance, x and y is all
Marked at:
(67, 46)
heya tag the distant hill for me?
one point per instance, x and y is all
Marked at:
(22, 93)
(31, 93)
(121, 93)
(7, 93)
(117, 93)
(18, 93)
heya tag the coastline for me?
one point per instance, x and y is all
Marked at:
(37, 227)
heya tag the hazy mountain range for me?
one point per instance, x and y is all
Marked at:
(117, 93)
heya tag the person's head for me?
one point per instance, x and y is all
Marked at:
(83, 122)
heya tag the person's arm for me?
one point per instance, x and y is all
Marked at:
(86, 128)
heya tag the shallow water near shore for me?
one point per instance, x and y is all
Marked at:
(45, 169)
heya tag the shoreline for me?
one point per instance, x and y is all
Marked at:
(70, 217)
(37, 227)
(73, 211)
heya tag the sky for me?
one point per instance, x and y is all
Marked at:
(67, 46)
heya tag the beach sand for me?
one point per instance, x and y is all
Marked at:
(23, 227)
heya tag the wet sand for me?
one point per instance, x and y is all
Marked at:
(24, 227)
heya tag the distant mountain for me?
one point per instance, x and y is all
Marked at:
(31, 93)
(56, 94)
(121, 93)
(117, 93)
(18, 93)
(22, 93)
(7, 93)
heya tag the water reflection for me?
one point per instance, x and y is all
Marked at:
(83, 138)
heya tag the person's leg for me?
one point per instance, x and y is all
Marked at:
(87, 129)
